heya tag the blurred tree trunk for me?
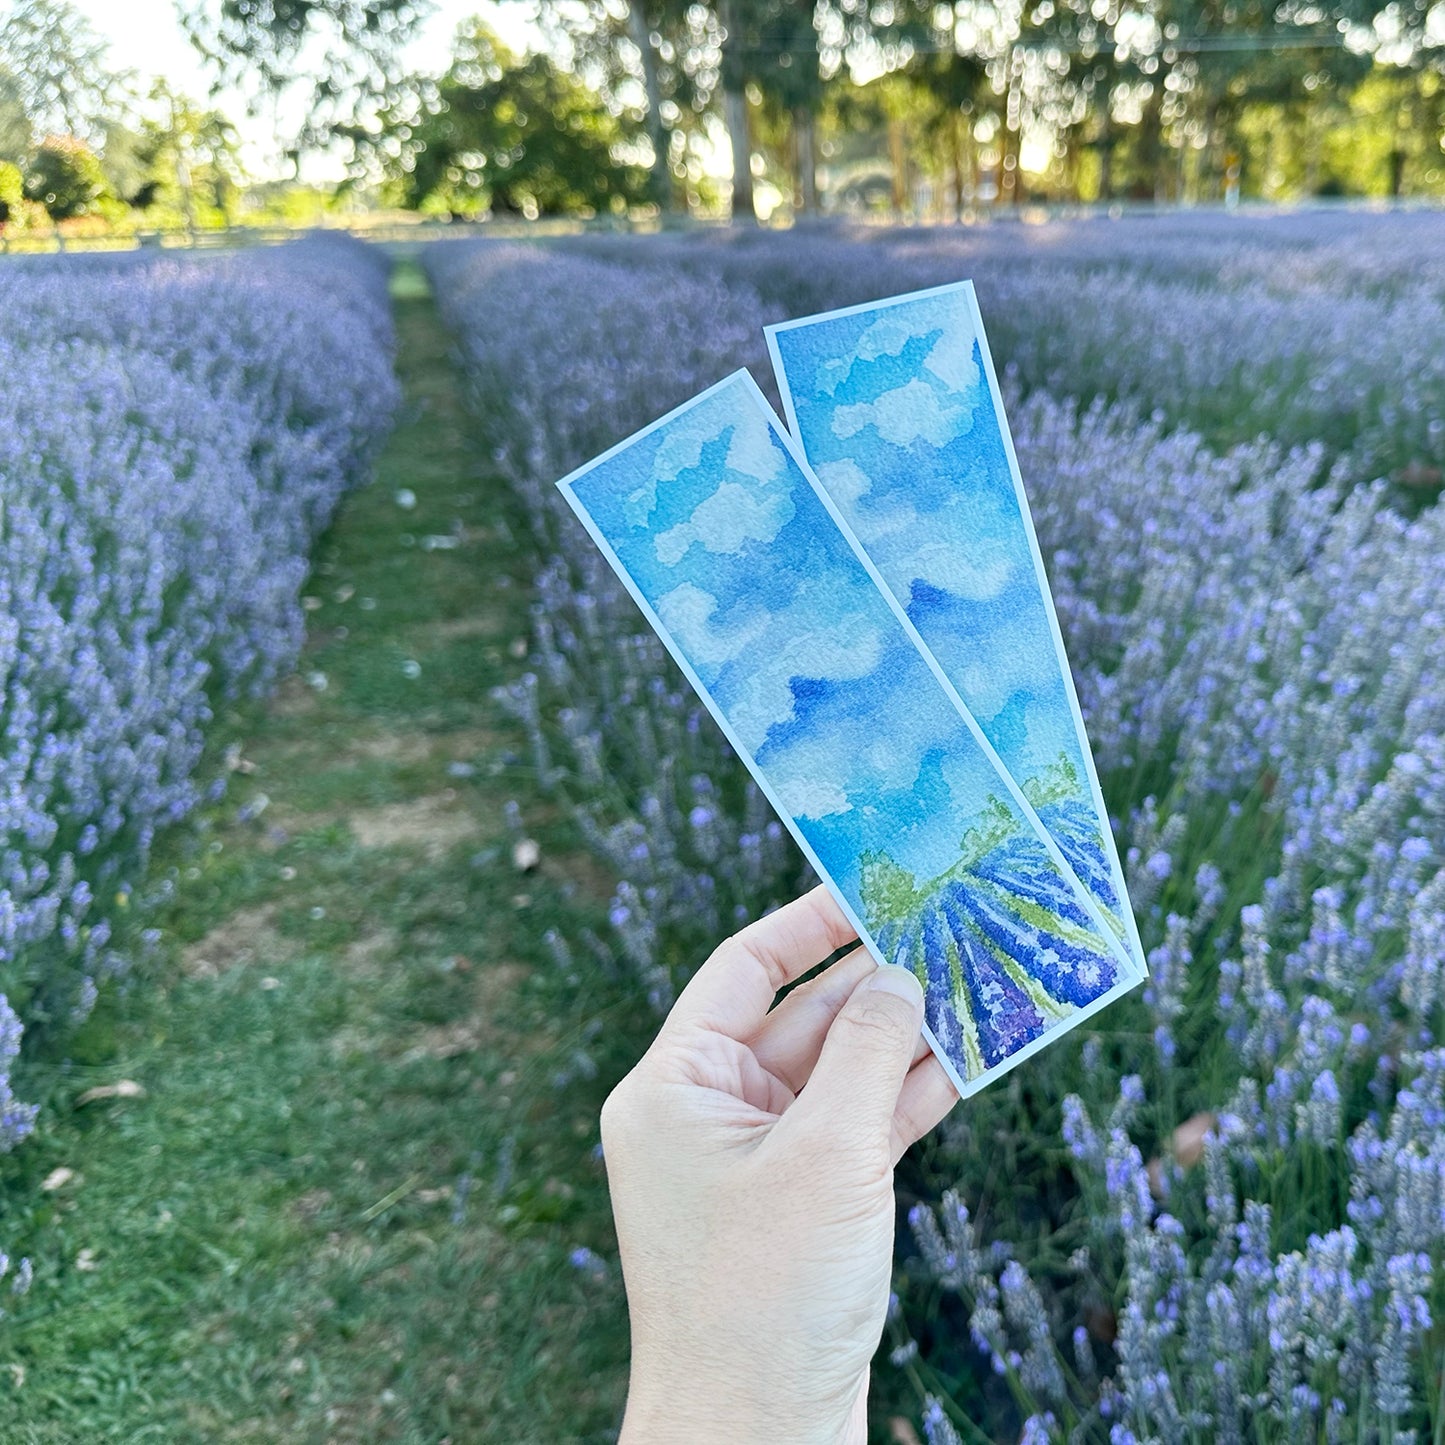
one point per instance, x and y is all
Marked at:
(956, 134)
(899, 159)
(1152, 156)
(805, 160)
(1107, 142)
(735, 113)
(660, 180)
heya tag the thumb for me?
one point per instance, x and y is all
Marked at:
(854, 1087)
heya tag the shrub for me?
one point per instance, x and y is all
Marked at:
(173, 435)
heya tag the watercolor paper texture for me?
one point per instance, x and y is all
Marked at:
(743, 567)
(897, 409)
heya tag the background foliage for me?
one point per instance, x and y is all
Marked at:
(901, 107)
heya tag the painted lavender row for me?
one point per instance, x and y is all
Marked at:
(1241, 1233)
(1307, 333)
(173, 435)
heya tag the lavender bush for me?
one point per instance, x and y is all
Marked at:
(1319, 335)
(173, 435)
(1221, 1214)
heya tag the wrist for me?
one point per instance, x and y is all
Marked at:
(692, 1407)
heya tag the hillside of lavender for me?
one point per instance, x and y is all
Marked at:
(1217, 1212)
(174, 434)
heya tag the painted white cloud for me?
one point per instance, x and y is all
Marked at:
(687, 613)
(725, 520)
(951, 357)
(844, 481)
(831, 374)
(766, 697)
(682, 443)
(794, 646)
(909, 413)
(885, 337)
(811, 797)
(753, 449)
(964, 571)
(681, 448)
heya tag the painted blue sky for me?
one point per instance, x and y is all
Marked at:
(895, 414)
(729, 544)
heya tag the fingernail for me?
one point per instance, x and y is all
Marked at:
(890, 978)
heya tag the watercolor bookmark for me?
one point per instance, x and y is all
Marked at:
(743, 567)
(897, 408)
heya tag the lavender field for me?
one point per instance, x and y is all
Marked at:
(1219, 1215)
(338, 1180)
(173, 438)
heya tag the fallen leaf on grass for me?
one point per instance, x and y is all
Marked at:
(121, 1089)
(1417, 474)
(57, 1179)
(1186, 1144)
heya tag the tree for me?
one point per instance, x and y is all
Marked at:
(65, 177)
(12, 190)
(15, 133)
(513, 136)
(957, 86)
(342, 57)
(652, 59)
(52, 69)
(180, 156)
(779, 45)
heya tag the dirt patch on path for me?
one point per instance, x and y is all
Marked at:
(470, 1034)
(433, 824)
(248, 936)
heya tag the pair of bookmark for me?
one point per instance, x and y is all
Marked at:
(862, 606)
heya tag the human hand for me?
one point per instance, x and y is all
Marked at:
(750, 1157)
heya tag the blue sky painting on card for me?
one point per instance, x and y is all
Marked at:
(896, 416)
(724, 538)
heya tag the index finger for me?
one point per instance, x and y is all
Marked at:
(733, 991)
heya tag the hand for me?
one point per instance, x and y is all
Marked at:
(750, 1157)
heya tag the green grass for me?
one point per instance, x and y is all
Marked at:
(352, 1015)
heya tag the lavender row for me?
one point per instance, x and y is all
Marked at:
(1258, 643)
(564, 357)
(173, 436)
(1234, 328)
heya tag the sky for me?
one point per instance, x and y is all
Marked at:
(146, 36)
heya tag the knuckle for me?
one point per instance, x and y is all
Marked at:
(881, 1019)
(619, 1118)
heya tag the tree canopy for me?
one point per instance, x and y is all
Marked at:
(504, 135)
(340, 58)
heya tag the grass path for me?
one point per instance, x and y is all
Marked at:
(344, 1206)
